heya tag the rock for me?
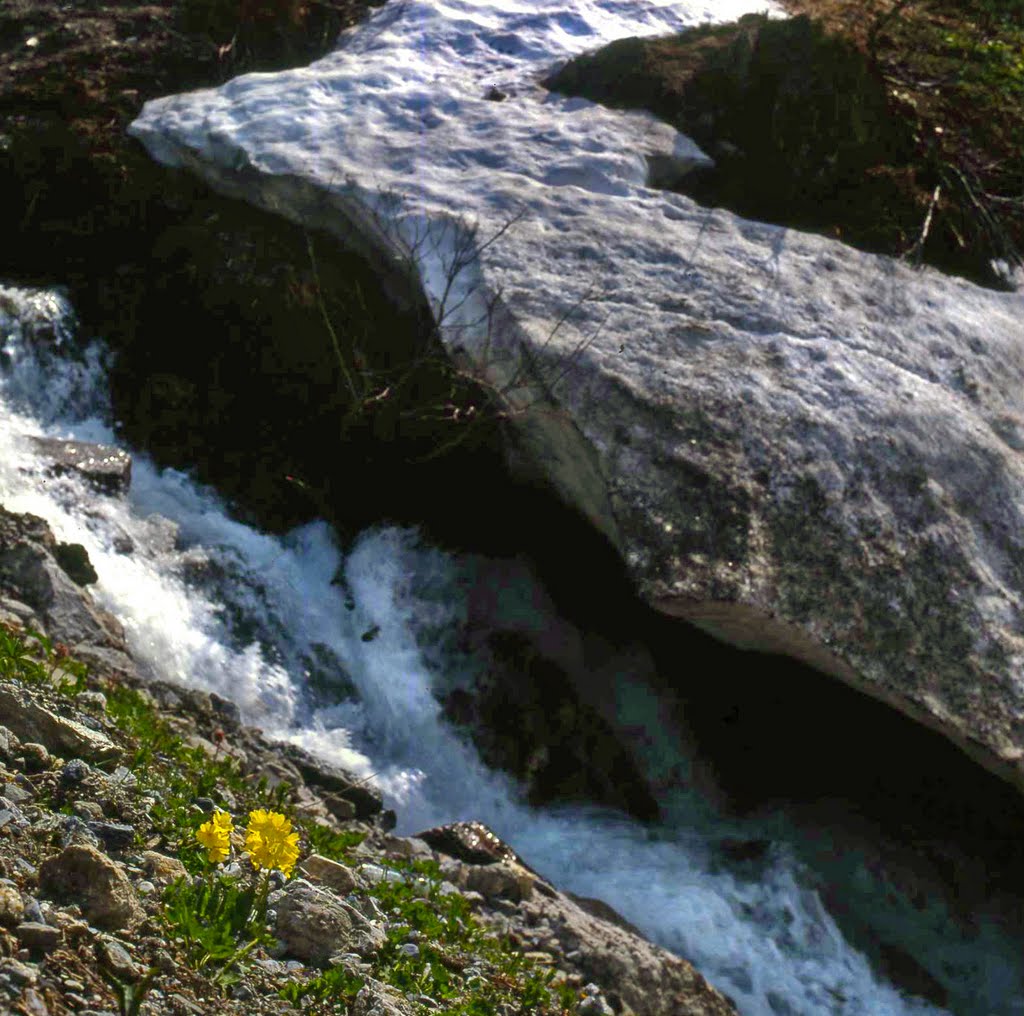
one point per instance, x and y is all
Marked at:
(28, 566)
(74, 559)
(11, 906)
(740, 411)
(623, 965)
(471, 842)
(114, 957)
(113, 835)
(10, 745)
(323, 871)
(366, 799)
(17, 972)
(35, 758)
(314, 924)
(81, 874)
(340, 807)
(161, 868)
(376, 999)
(38, 937)
(505, 879)
(32, 722)
(105, 467)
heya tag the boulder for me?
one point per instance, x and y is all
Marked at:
(323, 871)
(105, 467)
(30, 567)
(81, 874)
(34, 723)
(797, 446)
(314, 924)
(632, 972)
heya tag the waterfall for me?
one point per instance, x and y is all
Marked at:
(280, 625)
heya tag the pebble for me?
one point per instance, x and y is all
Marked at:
(74, 772)
(38, 937)
(409, 949)
(36, 757)
(17, 972)
(11, 907)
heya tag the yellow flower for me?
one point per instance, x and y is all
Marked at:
(215, 835)
(271, 842)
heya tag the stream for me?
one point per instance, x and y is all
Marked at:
(282, 626)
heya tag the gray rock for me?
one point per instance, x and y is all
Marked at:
(10, 744)
(81, 874)
(367, 799)
(376, 999)
(113, 956)
(314, 924)
(29, 567)
(113, 835)
(621, 963)
(33, 722)
(19, 973)
(107, 468)
(798, 446)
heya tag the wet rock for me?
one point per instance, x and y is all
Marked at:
(105, 467)
(74, 560)
(81, 874)
(323, 871)
(29, 568)
(33, 722)
(368, 800)
(314, 924)
(471, 842)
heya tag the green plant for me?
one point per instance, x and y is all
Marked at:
(129, 994)
(218, 920)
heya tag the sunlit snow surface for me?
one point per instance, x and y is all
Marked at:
(214, 604)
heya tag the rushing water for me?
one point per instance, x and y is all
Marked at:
(266, 622)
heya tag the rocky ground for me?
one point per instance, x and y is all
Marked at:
(108, 904)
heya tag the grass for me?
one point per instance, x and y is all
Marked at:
(458, 963)
(954, 70)
(218, 921)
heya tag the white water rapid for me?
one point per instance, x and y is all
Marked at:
(215, 604)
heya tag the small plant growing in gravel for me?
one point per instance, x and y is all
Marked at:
(221, 918)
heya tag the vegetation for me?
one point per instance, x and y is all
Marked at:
(954, 70)
(216, 916)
